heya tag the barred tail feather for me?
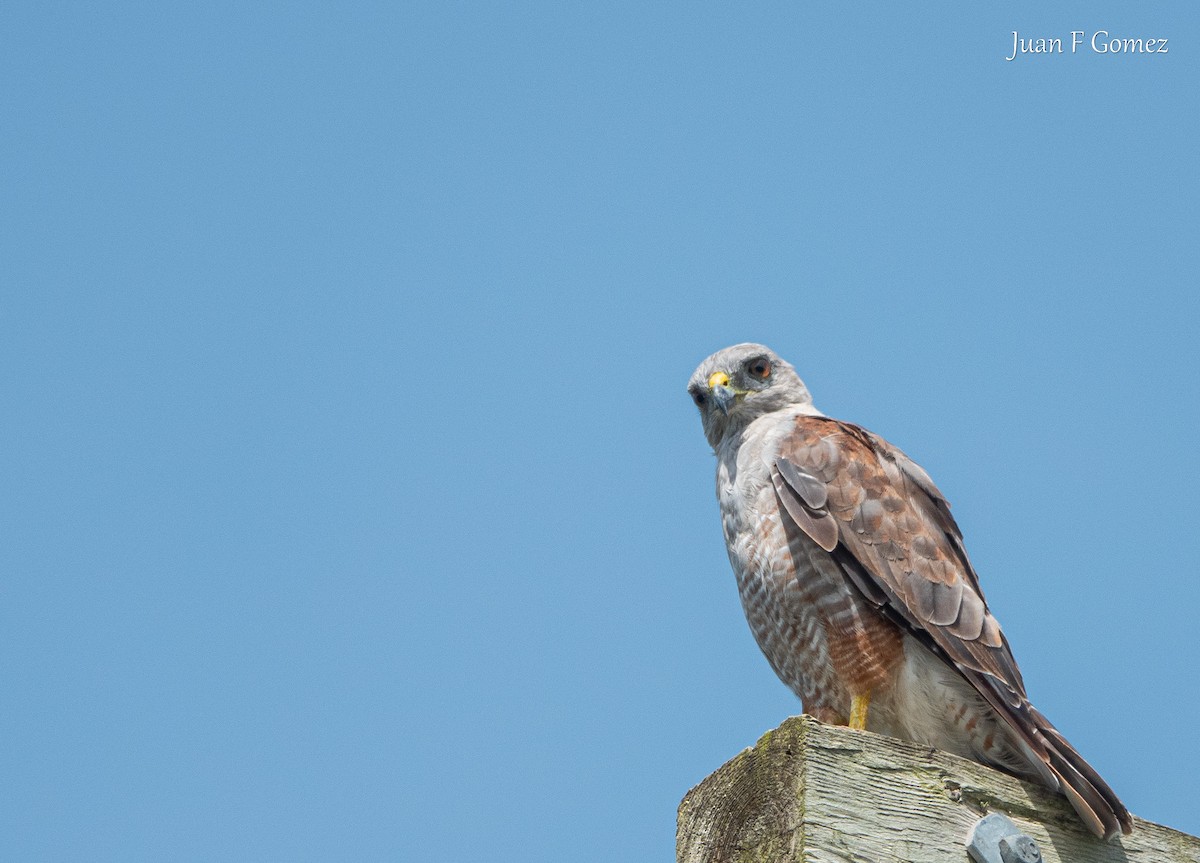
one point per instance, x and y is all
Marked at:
(1063, 769)
(1096, 803)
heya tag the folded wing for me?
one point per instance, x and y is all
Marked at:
(890, 530)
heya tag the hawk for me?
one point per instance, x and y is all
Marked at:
(855, 582)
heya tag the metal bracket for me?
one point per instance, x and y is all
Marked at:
(996, 839)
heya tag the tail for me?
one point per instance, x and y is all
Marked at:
(1063, 769)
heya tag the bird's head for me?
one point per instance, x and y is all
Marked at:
(737, 385)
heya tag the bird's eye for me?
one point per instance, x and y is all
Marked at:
(759, 368)
(698, 398)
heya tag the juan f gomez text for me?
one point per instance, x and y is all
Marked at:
(1100, 42)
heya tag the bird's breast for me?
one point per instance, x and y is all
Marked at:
(820, 636)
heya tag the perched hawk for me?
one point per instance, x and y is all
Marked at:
(854, 579)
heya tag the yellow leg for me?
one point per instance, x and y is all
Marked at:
(858, 711)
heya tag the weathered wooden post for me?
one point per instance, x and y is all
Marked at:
(813, 793)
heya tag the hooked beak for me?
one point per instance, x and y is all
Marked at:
(723, 395)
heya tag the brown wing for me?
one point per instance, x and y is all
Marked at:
(890, 529)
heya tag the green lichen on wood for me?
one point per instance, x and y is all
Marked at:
(812, 793)
(752, 809)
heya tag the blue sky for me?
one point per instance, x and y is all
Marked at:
(355, 508)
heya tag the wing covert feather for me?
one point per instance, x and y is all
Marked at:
(895, 539)
(891, 532)
(814, 521)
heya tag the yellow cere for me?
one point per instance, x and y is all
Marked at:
(718, 379)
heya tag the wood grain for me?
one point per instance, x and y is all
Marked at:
(827, 794)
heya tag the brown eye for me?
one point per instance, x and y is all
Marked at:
(698, 398)
(759, 368)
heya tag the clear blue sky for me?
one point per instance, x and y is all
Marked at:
(354, 508)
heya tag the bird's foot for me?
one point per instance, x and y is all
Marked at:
(858, 711)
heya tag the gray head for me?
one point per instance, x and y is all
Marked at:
(737, 385)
